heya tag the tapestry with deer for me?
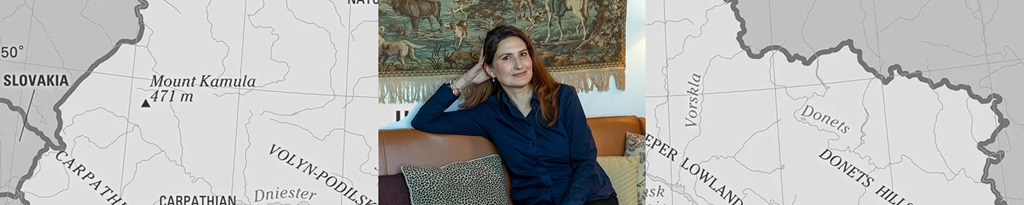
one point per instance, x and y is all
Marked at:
(424, 43)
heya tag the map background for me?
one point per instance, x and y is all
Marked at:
(701, 37)
(217, 145)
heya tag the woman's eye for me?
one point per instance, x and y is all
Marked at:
(504, 58)
(522, 54)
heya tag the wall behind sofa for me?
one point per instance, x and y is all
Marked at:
(595, 104)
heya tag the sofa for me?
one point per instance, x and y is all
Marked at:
(413, 147)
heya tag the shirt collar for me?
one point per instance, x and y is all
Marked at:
(511, 107)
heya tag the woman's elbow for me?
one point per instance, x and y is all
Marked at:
(418, 123)
(421, 123)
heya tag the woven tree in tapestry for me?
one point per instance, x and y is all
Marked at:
(424, 43)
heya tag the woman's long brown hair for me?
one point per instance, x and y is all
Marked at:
(544, 86)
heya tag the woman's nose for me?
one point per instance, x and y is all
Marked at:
(520, 62)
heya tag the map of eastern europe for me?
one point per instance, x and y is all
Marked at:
(188, 102)
(835, 102)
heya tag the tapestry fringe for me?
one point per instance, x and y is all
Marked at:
(592, 79)
(411, 89)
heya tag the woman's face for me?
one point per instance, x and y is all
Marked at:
(512, 65)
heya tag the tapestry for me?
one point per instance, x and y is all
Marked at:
(425, 43)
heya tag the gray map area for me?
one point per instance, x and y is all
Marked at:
(972, 43)
(18, 147)
(53, 38)
(8, 201)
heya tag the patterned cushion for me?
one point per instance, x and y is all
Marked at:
(636, 146)
(392, 189)
(622, 172)
(477, 181)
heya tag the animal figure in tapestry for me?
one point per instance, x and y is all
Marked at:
(403, 48)
(556, 10)
(419, 9)
(461, 31)
(521, 4)
(579, 8)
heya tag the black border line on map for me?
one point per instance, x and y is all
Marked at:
(60, 145)
(994, 98)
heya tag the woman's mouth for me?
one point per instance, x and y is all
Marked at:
(519, 74)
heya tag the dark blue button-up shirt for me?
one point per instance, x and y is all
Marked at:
(547, 165)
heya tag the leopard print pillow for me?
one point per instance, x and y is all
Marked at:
(477, 181)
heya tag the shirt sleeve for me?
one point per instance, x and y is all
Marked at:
(432, 118)
(583, 151)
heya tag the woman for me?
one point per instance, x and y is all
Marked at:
(537, 124)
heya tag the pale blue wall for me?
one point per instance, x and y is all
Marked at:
(595, 104)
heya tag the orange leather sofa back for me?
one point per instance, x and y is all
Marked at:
(413, 147)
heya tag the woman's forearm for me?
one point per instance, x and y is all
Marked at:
(432, 118)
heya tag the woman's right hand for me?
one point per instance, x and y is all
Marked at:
(475, 75)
